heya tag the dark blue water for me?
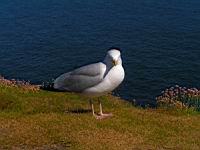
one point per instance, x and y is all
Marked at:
(160, 40)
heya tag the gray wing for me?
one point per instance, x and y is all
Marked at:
(81, 78)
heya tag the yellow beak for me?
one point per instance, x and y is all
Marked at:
(114, 62)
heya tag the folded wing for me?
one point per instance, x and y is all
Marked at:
(81, 78)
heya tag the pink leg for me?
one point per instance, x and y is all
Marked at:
(101, 111)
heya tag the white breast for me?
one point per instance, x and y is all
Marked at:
(111, 81)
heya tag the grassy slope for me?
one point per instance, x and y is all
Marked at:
(53, 120)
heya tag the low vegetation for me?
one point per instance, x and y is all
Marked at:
(31, 118)
(180, 97)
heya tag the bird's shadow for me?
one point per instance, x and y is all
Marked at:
(79, 111)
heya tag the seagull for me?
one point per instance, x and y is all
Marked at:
(95, 79)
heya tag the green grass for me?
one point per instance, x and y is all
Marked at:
(57, 120)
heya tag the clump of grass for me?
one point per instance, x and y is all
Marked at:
(180, 97)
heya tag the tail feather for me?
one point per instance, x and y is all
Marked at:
(48, 87)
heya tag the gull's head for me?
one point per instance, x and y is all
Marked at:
(113, 57)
